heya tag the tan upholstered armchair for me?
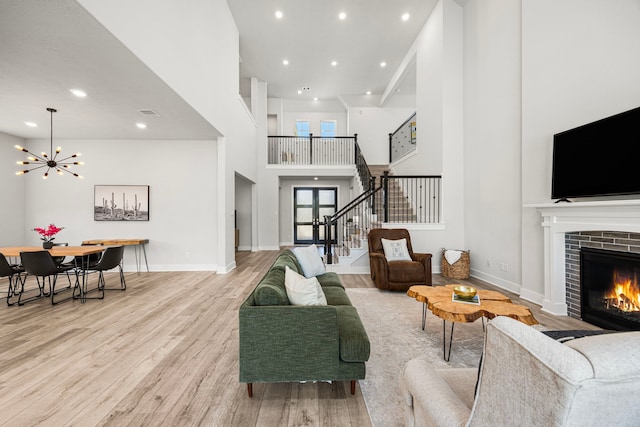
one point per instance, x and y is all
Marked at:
(529, 379)
(397, 275)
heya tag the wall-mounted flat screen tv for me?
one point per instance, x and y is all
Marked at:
(598, 159)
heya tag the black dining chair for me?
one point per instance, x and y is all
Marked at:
(111, 258)
(11, 270)
(59, 259)
(85, 262)
(41, 265)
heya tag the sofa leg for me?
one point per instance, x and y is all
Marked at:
(250, 389)
(353, 386)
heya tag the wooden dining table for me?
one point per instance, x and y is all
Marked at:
(136, 243)
(83, 252)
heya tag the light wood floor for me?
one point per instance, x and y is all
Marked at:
(164, 352)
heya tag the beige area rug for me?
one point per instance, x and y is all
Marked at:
(393, 323)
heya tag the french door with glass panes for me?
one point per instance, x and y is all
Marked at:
(310, 205)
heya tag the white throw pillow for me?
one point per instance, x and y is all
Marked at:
(396, 250)
(303, 291)
(310, 260)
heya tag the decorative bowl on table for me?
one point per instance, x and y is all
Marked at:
(465, 292)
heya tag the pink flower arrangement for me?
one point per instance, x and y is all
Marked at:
(48, 233)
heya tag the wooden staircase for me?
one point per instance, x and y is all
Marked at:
(400, 210)
(351, 255)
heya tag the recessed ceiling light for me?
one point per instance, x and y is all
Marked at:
(141, 125)
(334, 63)
(383, 64)
(342, 16)
(315, 178)
(315, 99)
(31, 124)
(368, 92)
(285, 62)
(279, 14)
(79, 93)
(299, 91)
(406, 16)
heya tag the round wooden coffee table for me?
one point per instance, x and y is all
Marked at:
(438, 299)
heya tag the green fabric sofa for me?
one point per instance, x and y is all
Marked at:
(280, 342)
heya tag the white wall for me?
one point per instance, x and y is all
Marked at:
(194, 49)
(432, 46)
(439, 109)
(12, 188)
(244, 212)
(275, 109)
(373, 126)
(492, 140)
(580, 63)
(182, 199)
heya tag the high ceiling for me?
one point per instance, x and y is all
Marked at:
(310, 35)
(48, 48)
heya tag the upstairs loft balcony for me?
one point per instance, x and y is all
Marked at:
(384, 200)
(312, 150)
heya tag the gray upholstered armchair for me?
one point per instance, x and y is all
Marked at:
(396, 275)
(527, 378)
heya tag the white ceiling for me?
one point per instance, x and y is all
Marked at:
(50, 47)
(310, 36)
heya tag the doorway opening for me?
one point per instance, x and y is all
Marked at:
(310, 205)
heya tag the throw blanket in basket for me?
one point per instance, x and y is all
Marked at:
(452, 256)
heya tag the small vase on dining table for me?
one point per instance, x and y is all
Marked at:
(47, 245)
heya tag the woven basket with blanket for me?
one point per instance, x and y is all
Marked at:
(455, 264)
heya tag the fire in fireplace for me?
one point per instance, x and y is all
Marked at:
(610, 288)
(624, 293)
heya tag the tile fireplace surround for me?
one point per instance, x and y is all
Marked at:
(561, 218)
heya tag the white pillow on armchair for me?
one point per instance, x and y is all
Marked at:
(395, 250)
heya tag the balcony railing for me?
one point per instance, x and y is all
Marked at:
(312, 150)
(319, 151)
(403, 140)
(398, 199)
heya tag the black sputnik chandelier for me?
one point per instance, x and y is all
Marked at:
(49, 161)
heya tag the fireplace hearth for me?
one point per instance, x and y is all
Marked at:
(610, 288)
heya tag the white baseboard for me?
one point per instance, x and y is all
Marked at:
(497, 281)
(227, 268)
(530, 296)
(131, 268)
(268, 248)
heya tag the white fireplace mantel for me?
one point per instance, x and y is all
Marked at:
(563, 217)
